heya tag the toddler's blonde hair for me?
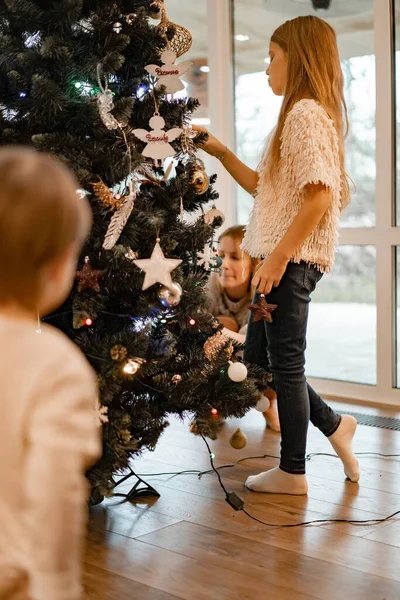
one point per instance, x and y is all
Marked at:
(41, 218)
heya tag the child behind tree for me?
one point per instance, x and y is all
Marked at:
(48, 433)
(230, 294)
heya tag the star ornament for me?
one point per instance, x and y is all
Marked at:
(262, 310)
(158, 269)
(89, 277)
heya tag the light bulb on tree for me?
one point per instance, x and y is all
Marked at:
(133, 365)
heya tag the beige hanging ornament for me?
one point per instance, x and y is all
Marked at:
(158, 140)
(157, 268)
(213, 214)
(182, 40)
(119, 220)
(238, 439)
(169, 73)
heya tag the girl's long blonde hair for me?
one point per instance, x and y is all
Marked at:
(313, 72)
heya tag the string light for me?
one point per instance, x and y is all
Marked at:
(88, 322)
(192, 322)
(214, 411)
(133, 365)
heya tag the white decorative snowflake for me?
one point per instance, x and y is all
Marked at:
(206, 258)
(100, 413)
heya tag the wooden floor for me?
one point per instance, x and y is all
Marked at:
(190, 544)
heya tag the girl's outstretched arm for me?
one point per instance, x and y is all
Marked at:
(241, 173)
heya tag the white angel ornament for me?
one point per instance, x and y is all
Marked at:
(158, 140)
(169, 73)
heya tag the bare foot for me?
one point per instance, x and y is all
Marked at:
(271, 415)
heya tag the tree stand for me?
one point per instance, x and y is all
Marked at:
(141, 489)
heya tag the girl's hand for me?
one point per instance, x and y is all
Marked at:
(269, 273)
(212, 146)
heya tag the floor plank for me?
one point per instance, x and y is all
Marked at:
(190, 544)
(314, 577)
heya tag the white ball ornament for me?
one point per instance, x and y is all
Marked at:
(237, 372)
(263, 404)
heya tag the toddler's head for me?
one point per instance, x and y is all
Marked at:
(237, 266)
(43, 224)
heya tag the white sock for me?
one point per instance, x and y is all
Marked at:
(276, 481)
(341, 442)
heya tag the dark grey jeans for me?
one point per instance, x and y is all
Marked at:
(279, 347)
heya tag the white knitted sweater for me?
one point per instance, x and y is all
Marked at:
(309, 154)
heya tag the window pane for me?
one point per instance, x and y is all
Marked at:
(397, 258)
(257, 108)
(397, 93)
(342, 324)
(193, 16)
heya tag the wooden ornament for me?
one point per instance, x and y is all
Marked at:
(169, 73)
(158, 140)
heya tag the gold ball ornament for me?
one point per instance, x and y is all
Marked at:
(182, 40)
(200, 181)
(118, 352)
(238, 439)
(155, 9)
(170, 296)
(213, 214)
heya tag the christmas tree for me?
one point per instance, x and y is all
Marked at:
(92, 82)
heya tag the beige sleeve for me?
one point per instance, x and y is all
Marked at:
(63, 441)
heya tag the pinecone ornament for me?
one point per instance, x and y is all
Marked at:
(118, 353)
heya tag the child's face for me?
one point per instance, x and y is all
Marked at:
(237, 267)
(277, 69)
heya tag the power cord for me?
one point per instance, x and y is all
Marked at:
(238, 504)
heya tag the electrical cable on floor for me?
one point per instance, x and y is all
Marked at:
(261, 456)
(238, 504)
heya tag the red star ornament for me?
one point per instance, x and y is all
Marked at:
(262, 310)
(89, 277)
